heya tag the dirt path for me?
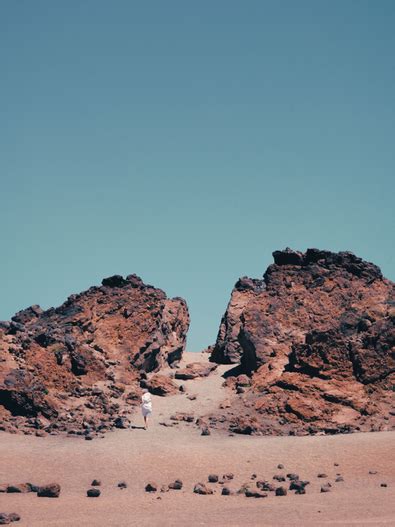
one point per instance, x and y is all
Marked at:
(207, 390)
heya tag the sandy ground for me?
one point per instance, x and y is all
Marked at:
(163, 454)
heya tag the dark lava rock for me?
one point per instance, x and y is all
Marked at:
(280, 466)
(176, 485)
(298, 486)
(93, 493)
(122, 485)
(21, 488)
(96, 483)
(383, 485)
(265, 485)
(226, 491)
(52, 490)
(201, 488)
(293, 477)
(151, 487)
(278, 477)
(6, 519)
(281, 491)
(322, 475)
(213, 478)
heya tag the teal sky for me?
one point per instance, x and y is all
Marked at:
(185, 141)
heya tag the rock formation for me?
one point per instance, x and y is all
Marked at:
(317, 336)
(77, 367)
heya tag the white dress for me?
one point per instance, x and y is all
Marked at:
(146, 404)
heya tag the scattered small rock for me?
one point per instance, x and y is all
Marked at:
(373, 472)
(20, 488)
(278, 477)
(52, 490)
(191, 397)
(205, 431)
(383, 485)
(182, 388)
(213, 478)
(14, 517)
(326, 487)
(336, 464)
(89, 437)
(228, 476)
(265, 485)
(280, 466)
(151, 487)
(322, 475)
(121, 422)
(5, 519)
(122, 485)
(164, 488)
(226, 491)
(298, 486)
(96, 483)
(93, 493)
(176, 485)
(201, 488)
(253, 493)
(339, 478)
(253, 476)
(281, 491)
(293, 477)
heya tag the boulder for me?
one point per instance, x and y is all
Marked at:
(161, 385)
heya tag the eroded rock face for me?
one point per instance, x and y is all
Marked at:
(317, 335)
(77, 367)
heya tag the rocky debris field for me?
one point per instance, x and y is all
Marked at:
(313, 344)
(279, 484)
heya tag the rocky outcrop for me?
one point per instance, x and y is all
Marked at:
(317, 336)
(77, 367)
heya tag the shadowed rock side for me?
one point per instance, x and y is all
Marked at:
(77, 367)
(317, 336)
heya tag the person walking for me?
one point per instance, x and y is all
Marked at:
(146, 407)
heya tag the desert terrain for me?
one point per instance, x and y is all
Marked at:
(162, 454)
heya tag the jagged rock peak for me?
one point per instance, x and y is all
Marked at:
(328, 259)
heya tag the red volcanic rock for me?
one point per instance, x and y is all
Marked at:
(78, 367)
(316, 335)
(194, 370)
(161, 385)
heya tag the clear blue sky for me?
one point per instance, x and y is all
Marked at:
(185, 141)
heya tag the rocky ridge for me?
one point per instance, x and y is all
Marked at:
(78, 367)
(316, 339)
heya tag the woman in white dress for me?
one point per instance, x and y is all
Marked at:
(146, 407)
